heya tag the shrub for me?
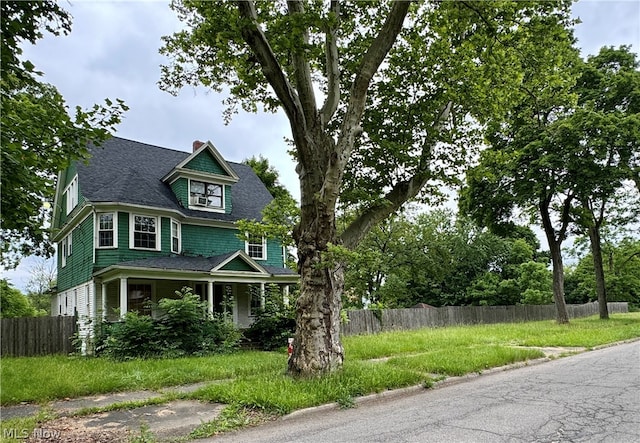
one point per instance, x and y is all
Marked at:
(134, 337)
(185, 328)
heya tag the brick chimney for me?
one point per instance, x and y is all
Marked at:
(197, 144)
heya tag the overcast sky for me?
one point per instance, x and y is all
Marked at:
(112, 52)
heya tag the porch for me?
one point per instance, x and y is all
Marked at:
(232, 283)
(239, 299)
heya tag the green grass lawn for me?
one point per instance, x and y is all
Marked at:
(257, 380)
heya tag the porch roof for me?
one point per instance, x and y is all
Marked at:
(206, 265)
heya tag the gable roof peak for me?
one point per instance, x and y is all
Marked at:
(200, 148)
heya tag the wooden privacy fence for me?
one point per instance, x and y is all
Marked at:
(366, 321)
(27, 337)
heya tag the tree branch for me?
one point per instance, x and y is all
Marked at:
(565, 217)
(304, 85)
(333, 72)
(257, 41)
(350, 128)
(400, 193)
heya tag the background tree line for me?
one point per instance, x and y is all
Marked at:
(440, 258)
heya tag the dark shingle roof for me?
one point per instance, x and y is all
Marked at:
(179, 262)
(131, 172)
(198, 264)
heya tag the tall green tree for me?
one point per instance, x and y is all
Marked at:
(39, 136)
(268, 175)
(603, 133)
(379, 96)
(524, 169)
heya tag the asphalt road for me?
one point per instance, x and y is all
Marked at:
(590, 397)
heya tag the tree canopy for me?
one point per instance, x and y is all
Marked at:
(14, 303)
(39, 135)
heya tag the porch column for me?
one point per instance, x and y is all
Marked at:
(93, 305)
(124, 293)
(210, 297)
(285, 295)
(262, 295)
(103, 301)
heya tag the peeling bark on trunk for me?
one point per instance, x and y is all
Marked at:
(601, 290)
(317, 348)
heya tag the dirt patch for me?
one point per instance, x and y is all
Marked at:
(70, 430)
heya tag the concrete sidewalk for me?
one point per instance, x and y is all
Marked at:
(166, 421)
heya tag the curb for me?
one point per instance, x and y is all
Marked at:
(449, 381)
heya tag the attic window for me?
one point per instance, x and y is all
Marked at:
(208, 195)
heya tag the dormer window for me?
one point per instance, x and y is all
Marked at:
(206, 195)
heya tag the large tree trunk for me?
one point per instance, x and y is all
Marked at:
(321, 163)
(596, 252)
(317, 348)
(555, 243)
(562, 317)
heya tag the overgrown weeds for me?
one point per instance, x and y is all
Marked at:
(185, 328)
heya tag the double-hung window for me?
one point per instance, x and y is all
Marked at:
(208, 195)
(175, 237)
(256, 247)
(107, 230)
(145, 232)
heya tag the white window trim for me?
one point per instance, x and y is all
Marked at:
(71, 194)
(132, 217)
(66, 249)
(115, 230)
(171, 222)
(207, 208)
(264, 248)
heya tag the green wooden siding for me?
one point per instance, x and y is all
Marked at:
(274, 254)
(205, 162)
(108, 257)
(238, 264)
(196, 240)
(60, 214)
(80, 263)
(208, 241)
(180, 189)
